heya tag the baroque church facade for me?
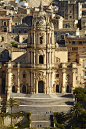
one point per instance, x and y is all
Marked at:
(46, 68)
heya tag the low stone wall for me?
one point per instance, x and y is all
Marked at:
(15, 121)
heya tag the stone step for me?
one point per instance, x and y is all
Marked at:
(25, 101)
(43, 103)
(41, 117)
(42, 95)
(35, 110)
(42, 124)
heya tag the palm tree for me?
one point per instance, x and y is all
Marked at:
(12, 103)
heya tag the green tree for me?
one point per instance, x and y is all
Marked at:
(82, 118)
(12, 103)
(80, 93)
(76, 110)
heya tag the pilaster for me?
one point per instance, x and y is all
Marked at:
(36, 87)
(18, 90)
(64, 80)
(74, 79)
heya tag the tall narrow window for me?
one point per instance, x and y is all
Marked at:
(2, 38)
(40, 59)
(4, 23)
(41, 39)
(5, 30)
(13, 89)
(24, 75)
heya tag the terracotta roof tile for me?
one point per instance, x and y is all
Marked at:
(5, 18)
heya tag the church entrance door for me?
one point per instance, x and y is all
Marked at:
(40, 87)
(67, 89)
(24, 89)
(57, 88)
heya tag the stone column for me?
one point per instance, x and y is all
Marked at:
(45, 88)
(38, 39)
(28, 56)
(53, 38)
(34, 38)
(47, 58)
(36, 87)
(74, 79)
(28, 81)
(18, 91)
(37, 58)
(64, 80)
(34, 58)
(32, 86)
(49, 38)
(52, 57)
(50, 86)
(10, 26)
(34, 82)
(9, 81)
(45, 38)
(44, 59)
(46, 83)
(31, 57)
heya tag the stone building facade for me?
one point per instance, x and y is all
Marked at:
(76, 45)
(70, 9)
(45, 69)
(5, 24)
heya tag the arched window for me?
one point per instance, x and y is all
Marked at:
(24, 89)
(13, 89)
(2, 38)
(40, 59)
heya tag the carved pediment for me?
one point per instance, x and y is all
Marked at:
(40, 75)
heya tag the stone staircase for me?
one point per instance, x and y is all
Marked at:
(42, 120)
(42, 103)
(42, 106)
